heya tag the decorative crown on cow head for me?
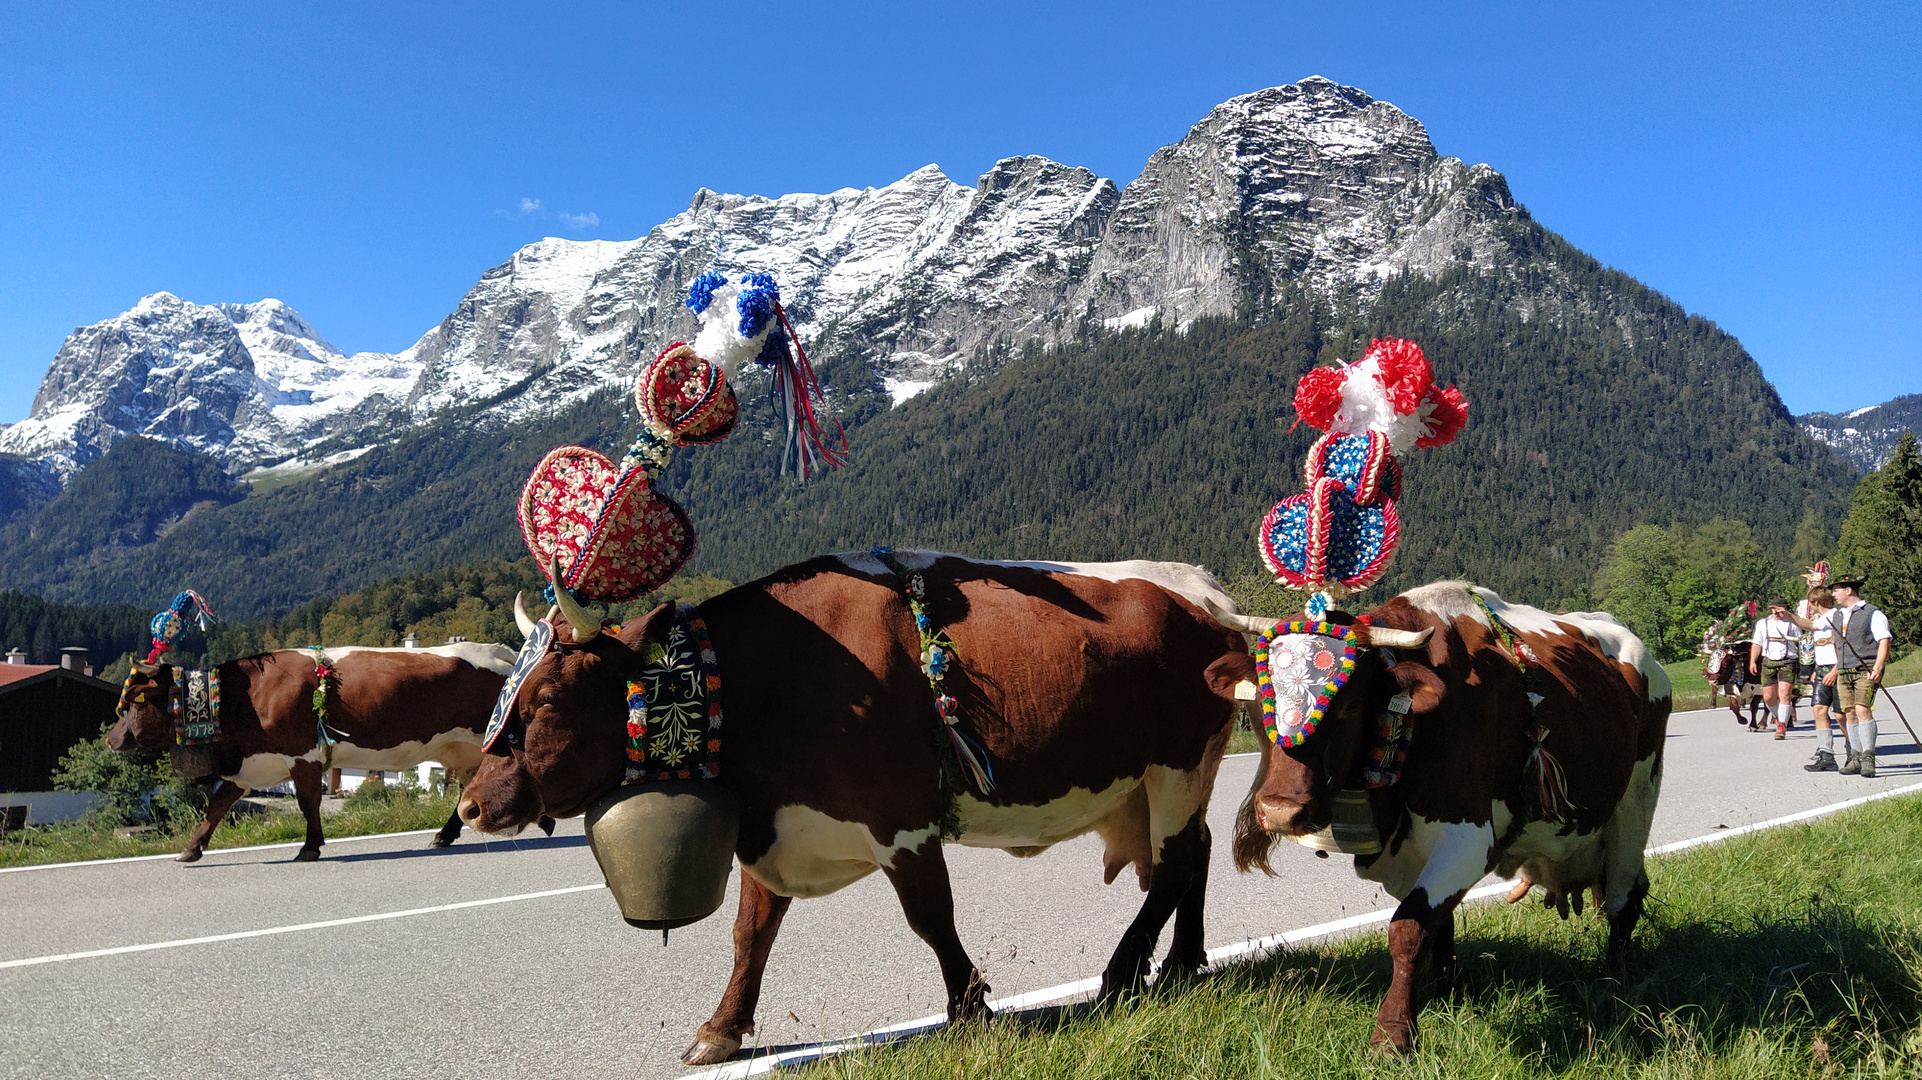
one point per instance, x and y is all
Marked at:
(171, 620)
(598, 525)
(1338, 536)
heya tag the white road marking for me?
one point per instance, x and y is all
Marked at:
(879, 1036)
(61, 958)
(211, 851)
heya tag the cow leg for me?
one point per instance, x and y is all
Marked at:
(1621, 924)
(224, 798)
(1181, 870)
(1441, 950)
(1413, 937)
(755, 924)
(307, 794)
(1186, 950)
(1458, 858)
(920, 880)
(448, 833)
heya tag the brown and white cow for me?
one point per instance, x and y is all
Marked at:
(1464, 805)
(388, 709)
(1088, 685)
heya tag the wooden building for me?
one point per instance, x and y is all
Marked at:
(44, 710)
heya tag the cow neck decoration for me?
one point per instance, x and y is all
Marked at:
(1299, 667)
(1394, 733)
(1548, 793)
(324, 680)
(1338, 536)
(937, 652)
(194, 703)
(674, 707)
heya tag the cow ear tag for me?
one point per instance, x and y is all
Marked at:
(531, 653)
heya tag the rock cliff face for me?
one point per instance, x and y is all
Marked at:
(1313, 183)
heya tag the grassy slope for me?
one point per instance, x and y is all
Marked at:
(1794, 952)
(83, 840)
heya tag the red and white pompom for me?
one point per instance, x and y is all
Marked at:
(1392, 390)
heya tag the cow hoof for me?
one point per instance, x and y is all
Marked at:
(308, 855)
(189, 855)
(710, 1050)
(441, 841)
(1392, 1039)
(547, 824)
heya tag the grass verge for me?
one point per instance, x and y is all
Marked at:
(1791, 953)
(77, 841)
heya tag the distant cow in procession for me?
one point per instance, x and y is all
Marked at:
(1509, 739)
(295, 713)
(1084, 693)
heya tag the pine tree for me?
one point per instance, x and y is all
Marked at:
(1882, 539)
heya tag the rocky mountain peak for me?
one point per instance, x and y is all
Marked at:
(1313, 183)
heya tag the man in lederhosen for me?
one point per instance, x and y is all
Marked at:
(1862, 641)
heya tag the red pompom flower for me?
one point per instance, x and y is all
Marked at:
(1318, 396)
(1446, 419)
(1405, 373)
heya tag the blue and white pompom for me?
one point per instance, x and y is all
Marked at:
(737, 317)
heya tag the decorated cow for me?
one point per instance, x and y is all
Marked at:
(1445, 733)
(861, 709)
(1489, 737)
(294, 714)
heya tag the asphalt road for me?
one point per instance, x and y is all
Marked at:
(557, 985)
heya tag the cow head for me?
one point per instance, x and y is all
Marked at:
(564, 740)
(1293, 792)
(142, 717)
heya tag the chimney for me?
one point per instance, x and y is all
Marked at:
(411, 641)
(73, 658)
(17, 656)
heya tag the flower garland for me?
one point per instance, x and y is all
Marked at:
(1308, 670)
(324, 733)
(937, 652)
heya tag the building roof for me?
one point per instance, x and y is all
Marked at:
(14, 676)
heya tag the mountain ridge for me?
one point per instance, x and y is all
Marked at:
(1311, 183)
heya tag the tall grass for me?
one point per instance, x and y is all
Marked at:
(1791, 953)
(394, 809)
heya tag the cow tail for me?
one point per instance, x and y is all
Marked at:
(1252, 842)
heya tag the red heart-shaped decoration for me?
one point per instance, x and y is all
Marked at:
(616, 538)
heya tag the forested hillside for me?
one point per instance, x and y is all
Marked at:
(1597, 405)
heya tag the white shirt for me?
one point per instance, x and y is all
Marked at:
(1775, 636)
(1823, 634)
(1878, 625)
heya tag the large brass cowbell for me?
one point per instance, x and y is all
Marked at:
(665, 849)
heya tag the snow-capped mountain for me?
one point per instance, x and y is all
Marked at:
(1314, 183)
(1866, 437)
(241, 382)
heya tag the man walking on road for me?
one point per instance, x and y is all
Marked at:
(1862, 640)
(1773, 653)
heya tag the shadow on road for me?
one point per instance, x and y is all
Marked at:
(538, 843)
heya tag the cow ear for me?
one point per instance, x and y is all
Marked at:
(1227, 675)
(649, 629)
(1420, 683)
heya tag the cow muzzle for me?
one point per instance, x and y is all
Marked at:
(500, 800)
(1287, 817)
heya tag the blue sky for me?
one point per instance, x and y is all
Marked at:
(1762, 164)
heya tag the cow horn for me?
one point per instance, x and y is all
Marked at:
(146, 669)
(585, 625)
(1247, 624)
(521, 618)
(1387, 637)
